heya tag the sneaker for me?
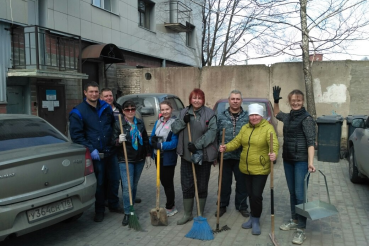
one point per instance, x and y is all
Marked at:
(171, 212)
(222, 211)
(288, 226)
(299, 237)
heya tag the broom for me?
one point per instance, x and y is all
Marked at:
(200, 228)
(133, 220)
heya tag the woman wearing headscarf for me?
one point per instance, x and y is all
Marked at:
(255, 160)
(138, 148)
(203, 127)
(162, 139)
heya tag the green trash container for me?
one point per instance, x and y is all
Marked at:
(329, 137)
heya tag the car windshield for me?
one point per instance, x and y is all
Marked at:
(23, 133)
(245, 105)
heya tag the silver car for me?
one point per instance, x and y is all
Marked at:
(358, 151)
(44, 177)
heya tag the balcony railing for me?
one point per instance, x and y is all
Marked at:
(35, 47)
(179, 16)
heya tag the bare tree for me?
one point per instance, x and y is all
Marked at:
(230, 28)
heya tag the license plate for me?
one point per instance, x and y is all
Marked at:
(49, 210)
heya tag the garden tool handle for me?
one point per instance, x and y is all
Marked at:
(271, 185)
(194, 175)
(126, 159)
(157, 179)
(220, 177)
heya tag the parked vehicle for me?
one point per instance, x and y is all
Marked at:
(358, 151)
(44, 177)
(223, 104)
(147, 104)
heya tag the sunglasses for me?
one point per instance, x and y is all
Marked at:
(129, 109)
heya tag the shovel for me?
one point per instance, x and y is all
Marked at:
(158, 215)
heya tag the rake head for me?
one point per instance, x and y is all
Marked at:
(224, 228)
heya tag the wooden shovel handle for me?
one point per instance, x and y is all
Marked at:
(194, 175)
(157, 179)
(126, 159)
(220, 177)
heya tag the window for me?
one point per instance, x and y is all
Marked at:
(145, 13)
(104, 4)
(190, 35)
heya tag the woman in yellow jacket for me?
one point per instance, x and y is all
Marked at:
(255, 160)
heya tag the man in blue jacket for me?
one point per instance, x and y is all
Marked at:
(91, 124)
(232, 119)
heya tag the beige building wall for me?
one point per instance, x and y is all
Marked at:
(340, 87)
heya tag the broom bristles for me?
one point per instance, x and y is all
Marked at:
(200, 229)
(133, 220)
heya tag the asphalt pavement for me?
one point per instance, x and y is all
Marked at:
(349, 227)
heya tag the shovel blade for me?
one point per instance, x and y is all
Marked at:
(159, 217)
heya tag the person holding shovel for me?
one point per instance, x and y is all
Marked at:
(162, 139)
(232, 119)
(298, 154)
(138, 148)
(203, 128)
(255, 160)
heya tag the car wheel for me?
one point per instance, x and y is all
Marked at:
(73, 218)
(353, 171)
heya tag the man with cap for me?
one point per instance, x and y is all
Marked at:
(255, 160)
(232, 119)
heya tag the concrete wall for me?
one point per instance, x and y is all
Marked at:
(340, 87)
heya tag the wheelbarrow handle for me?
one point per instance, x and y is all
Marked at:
(305, 187)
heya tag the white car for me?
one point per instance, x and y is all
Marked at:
(359, 151)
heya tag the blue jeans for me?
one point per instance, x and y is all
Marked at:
(135, 170)
(295, 172)
(106, 170)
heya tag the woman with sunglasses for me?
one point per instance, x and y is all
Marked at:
(138, 148)
(163, 139)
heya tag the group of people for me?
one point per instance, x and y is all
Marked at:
(196, 136)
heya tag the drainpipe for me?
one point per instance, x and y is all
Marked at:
(170, 11)
(164, 63)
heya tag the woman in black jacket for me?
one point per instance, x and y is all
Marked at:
(138, 148)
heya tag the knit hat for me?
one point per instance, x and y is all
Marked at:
(256, 109)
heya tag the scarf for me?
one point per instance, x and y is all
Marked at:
(135, 134)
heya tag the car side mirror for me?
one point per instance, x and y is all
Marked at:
(358, 123)
(147, 111)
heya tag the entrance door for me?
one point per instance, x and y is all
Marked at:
(92, 70)
(51, 105)
(15, 98)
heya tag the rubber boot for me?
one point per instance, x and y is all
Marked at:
(202, 202)
(187, 209)
(247, 224)
(255, 226)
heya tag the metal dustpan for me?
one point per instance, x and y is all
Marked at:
(316, 209)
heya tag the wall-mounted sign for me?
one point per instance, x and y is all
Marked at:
(50, 95)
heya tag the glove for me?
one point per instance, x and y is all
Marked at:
(276, 92)
(157, 146)
(95, 155)
(154, 141)
(192, 148)
(186, 118)
(122, 138)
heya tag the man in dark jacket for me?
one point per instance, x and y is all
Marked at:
(91, 124)
(232, 119)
